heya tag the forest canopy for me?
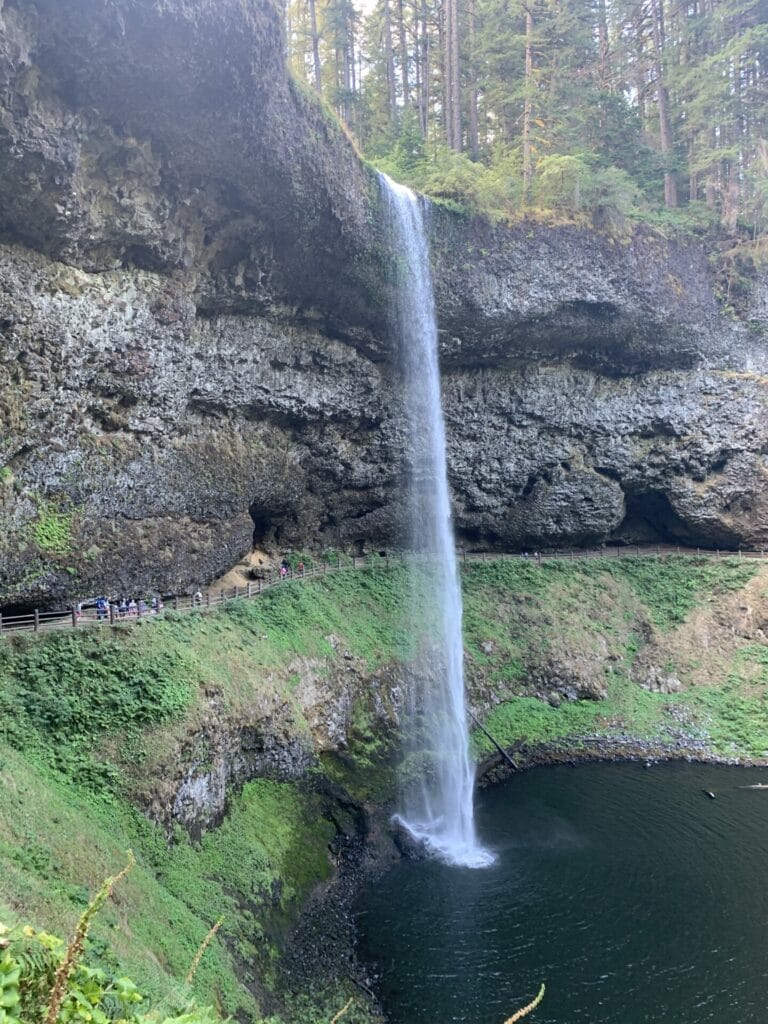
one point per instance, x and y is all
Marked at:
(585, 110)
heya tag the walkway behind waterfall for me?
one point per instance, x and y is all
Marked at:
(38, 621)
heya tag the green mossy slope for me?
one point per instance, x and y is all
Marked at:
(58, 842)
(520, 617)
(83, 717)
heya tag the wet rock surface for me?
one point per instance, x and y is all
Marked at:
(196, 348)
(281, 734)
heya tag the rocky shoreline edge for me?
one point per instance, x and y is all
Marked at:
(590, 749)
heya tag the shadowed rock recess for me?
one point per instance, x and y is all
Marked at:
(195, 344)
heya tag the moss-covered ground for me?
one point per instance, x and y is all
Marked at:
(518, 615)
(85, 716)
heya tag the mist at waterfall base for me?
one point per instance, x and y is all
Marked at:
(634, 897)
(438, 797)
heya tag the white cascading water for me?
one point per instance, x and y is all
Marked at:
(438, 806)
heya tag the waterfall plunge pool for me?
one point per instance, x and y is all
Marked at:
(634, 896)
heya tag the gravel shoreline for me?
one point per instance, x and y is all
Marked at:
(587, 749)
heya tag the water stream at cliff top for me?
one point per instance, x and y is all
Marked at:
(437, 806)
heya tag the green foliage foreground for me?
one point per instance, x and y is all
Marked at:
(44, 980)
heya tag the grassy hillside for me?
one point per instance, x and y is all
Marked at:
(86, 719)
(605, 622)
(85, 716)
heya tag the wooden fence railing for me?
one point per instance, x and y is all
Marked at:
(39, 621)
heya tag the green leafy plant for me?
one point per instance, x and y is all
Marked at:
(44, 980)
(74, 951)
(52, 532)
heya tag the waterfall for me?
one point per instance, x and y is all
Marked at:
(439, 775)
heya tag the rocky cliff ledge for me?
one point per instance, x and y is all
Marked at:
(193, 307)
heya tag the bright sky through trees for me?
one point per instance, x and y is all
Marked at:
(632, 106)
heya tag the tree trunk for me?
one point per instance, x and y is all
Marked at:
(403, 54)
(602, 39)
(442, 39)
(731, 198)
(662, 99)
(472, 126)
(528, 107)
(638, 65)
(452, 76)
(315, 47)
(425, 70)
(389, 59)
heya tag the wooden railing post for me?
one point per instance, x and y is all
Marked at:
(37, 620)
(250, 588)
(74, 615)
(111, 613)
(175, 603)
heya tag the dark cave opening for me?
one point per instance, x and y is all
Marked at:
(650, 519)
(265, 530)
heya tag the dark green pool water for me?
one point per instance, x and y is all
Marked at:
(630, 893)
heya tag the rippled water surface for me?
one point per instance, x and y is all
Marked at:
(634, 896)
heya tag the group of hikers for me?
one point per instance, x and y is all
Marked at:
(127, 608)
(285, 569)
(122, 608)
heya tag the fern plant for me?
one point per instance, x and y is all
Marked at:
(43, 980)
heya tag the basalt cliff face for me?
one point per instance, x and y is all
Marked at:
(196, 348)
